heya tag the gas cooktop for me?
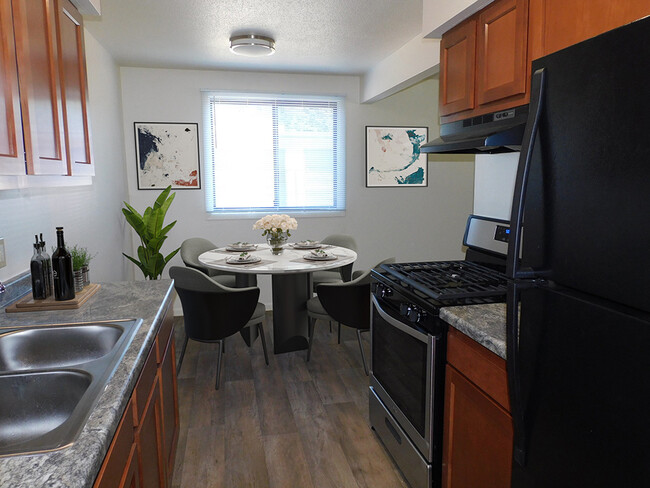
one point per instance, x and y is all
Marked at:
(449, 280)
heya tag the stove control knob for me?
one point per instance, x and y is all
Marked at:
(414, 313)
(385, 292)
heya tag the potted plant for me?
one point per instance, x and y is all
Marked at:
(149, 227)
(80, 261)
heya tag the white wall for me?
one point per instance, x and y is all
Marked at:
(417, 60)
(90, 215)
(438, 16)
(409, 223)
(494, 183)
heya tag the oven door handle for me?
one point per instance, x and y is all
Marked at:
(421, 336)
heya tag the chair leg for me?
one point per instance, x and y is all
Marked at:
(311, 337)
(339, 338)
(180, 361)
(363, 354)
(219, 354)
(260, 329)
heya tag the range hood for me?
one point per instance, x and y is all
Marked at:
(493, 133)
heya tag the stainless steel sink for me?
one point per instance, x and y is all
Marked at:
(51, 377)
(36, 404)
(56, 347)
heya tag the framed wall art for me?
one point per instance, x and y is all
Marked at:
(167, 153)
(393, 156)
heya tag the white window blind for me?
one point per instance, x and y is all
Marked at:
(280, 154)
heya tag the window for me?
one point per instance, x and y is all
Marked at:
(274, 154)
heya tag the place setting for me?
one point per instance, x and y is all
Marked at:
(244, 260)
(319, 255)
(306, 245)
(241, 246)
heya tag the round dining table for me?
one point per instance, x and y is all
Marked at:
(291, 284)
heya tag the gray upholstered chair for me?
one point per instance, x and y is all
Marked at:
(212, 312)
(192, 248)
(337, 275)
(347, 303)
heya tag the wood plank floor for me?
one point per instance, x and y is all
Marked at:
(291, 424)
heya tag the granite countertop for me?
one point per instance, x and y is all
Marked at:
(77, 466)
(486, 324)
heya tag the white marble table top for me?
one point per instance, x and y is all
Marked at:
(290, 261)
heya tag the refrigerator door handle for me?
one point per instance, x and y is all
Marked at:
(517, 409)
(521, 183)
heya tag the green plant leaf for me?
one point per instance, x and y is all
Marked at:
(171, 255)
(162, 197)
(167, 228)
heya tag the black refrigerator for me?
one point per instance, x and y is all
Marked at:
(578, 311)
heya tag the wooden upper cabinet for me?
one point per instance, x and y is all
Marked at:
(72, 68)
(40, 88)
(484, 62)
(457, 68)
(556, 24)
(12, 153)
(502, 49)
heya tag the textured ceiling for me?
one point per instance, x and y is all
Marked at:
(314, 36)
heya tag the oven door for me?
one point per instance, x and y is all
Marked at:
(402, 374)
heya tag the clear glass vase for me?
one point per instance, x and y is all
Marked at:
(276, 242)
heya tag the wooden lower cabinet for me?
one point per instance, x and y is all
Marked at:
(477, 434)
(169, 404)
(149, 440)
(143, 449)
(131, 476)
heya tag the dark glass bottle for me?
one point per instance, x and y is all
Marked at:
(37, 269)
(62, 269)
(49, 281)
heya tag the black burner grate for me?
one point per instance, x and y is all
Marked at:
(450, 280)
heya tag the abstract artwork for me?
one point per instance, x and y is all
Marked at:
(167, 154)
(393, 156)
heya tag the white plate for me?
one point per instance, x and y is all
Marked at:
(328, 257)
(316, 245)
(249, 260)
(241, 248)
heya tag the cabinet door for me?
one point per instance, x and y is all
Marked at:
(72, 67)
(169, 399)
(40, 90)
(477, 437)
(457, 68)
(149, 440)
(131, 478)
(12, 157)
(119, 457)
(502, 49)
(557, 24)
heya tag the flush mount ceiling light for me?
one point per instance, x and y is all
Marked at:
(252, 45)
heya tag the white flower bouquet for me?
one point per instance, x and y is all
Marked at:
(276, 225)
(277, 229)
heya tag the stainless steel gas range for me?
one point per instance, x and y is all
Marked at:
(408, 343)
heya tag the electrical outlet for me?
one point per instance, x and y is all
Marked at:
(3, 259)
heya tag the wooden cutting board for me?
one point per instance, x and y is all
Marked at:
(28, 304)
